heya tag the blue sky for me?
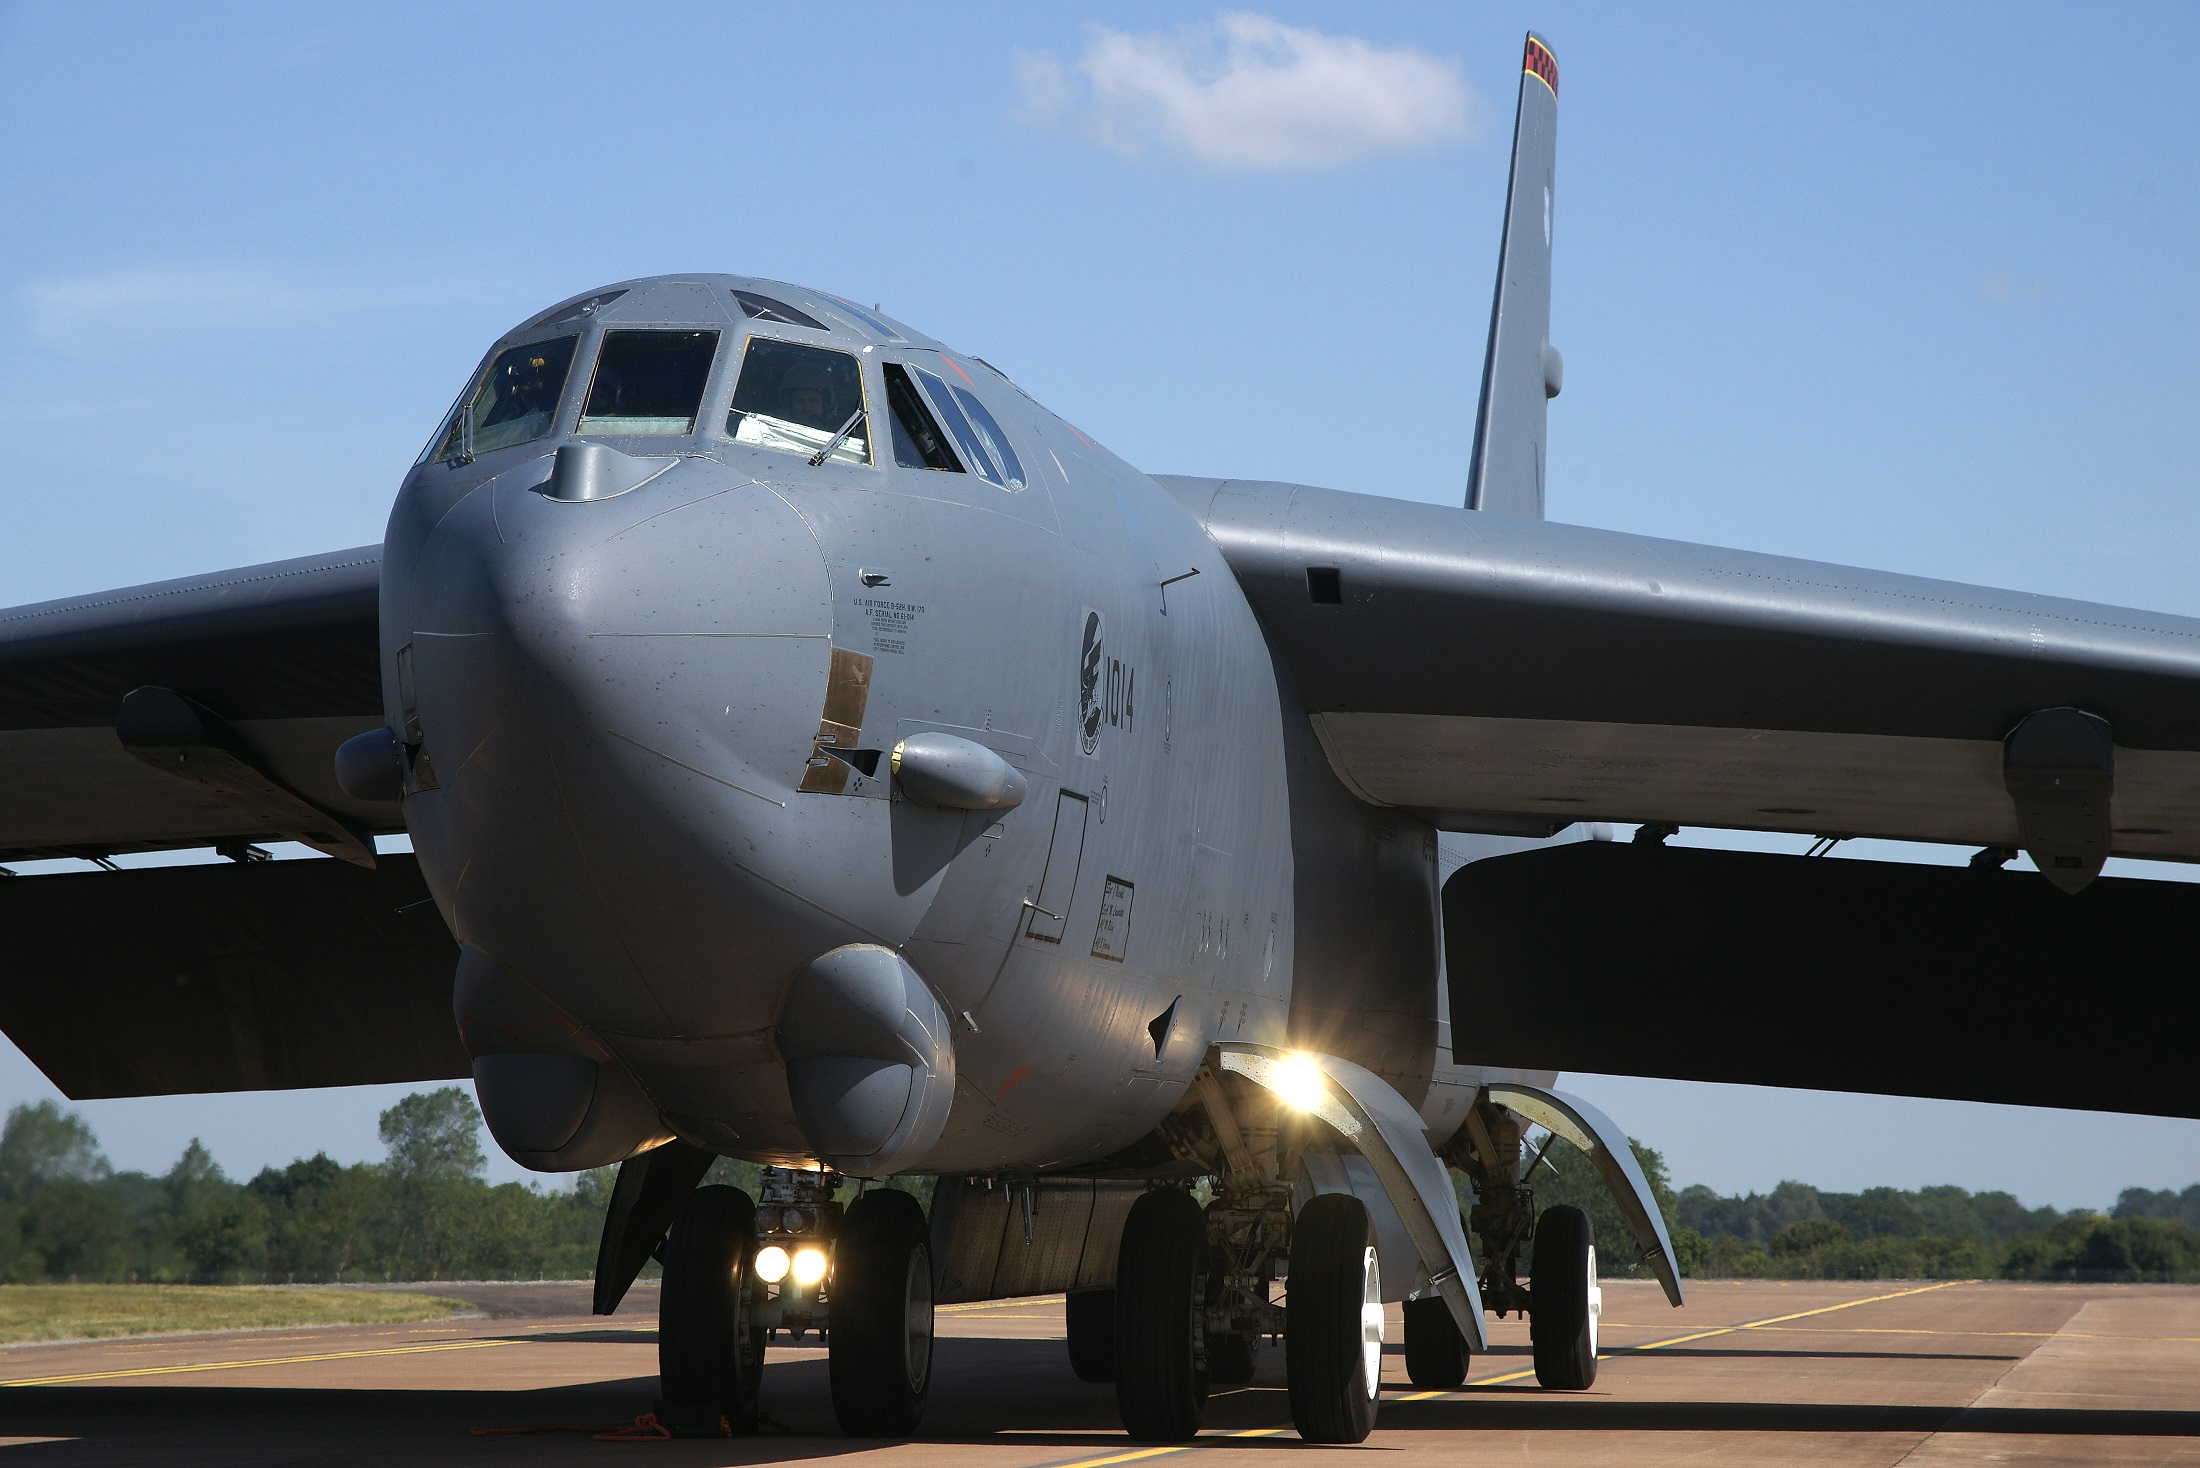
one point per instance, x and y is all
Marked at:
(1899, 287)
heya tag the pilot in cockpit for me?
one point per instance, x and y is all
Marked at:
(525, 392)
(807, 400)
(799, 399)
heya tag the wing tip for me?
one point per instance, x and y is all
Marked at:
(1540, 63)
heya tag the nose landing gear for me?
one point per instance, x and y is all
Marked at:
(736, 1274)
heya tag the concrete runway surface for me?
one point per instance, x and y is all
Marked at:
(1750, 1373)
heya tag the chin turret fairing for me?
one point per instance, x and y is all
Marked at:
(619, 701)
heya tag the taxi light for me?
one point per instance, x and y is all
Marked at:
(771, 1264)
(809, 1266)
(1299, 1081)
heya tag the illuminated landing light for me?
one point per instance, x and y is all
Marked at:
(771, 1264)
(1299, 1081)
(809, 1266)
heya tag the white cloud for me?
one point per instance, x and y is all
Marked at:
(1249, 92)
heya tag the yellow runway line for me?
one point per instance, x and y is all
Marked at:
(1197, 1442)
(179, 1370)
(1203, 1442)
(1701, 1335)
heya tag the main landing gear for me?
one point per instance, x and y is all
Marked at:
(737, 1273)
(1190, 1305)
(1562, 1299)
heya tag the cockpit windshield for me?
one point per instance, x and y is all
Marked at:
(649, 382)
(514, 401)
(800, 400)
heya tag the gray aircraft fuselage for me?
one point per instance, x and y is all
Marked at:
(620, 701)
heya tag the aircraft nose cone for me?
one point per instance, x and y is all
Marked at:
(619, 697)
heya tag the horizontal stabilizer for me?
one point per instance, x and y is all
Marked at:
(245, 976)
(1962, 983)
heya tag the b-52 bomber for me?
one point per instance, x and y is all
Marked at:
(815, 752)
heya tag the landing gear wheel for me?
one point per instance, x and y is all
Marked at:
(1564, 1300)
(880, 1341)
(710, 1362)
(1436, 1354)
(1333, 1329)
(1160, 1387)
(1231, 1359)
(1092, 1334)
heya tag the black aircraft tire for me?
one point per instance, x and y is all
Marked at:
(1091, 1318)
(1562, 1281)
(879, 1345)
(1335, 1371)
(1159, 1390)
(1436, 1353)
(709, 1363)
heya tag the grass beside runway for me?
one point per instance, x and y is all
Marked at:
(40, 1312)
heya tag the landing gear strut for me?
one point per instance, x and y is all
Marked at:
(1562, 1299)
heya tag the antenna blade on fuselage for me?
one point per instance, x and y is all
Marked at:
(1521, 371)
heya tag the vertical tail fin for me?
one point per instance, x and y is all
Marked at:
(1521, 372)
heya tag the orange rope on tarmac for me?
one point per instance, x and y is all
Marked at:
(643, 1429)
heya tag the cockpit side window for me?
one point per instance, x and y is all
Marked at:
(996, 442)
(966, 437)
(918, 442)
(648, 382)
(514, 401)
(800, 399)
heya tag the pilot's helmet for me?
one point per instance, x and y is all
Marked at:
(524, 381)
(808, 391)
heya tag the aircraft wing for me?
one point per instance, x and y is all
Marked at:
(1507, 674)
(192, 713)
(229, 976)
(255, 676)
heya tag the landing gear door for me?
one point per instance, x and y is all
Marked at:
(1058, 884)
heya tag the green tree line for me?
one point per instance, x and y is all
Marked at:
(424, 1212)
(1800, 1232)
